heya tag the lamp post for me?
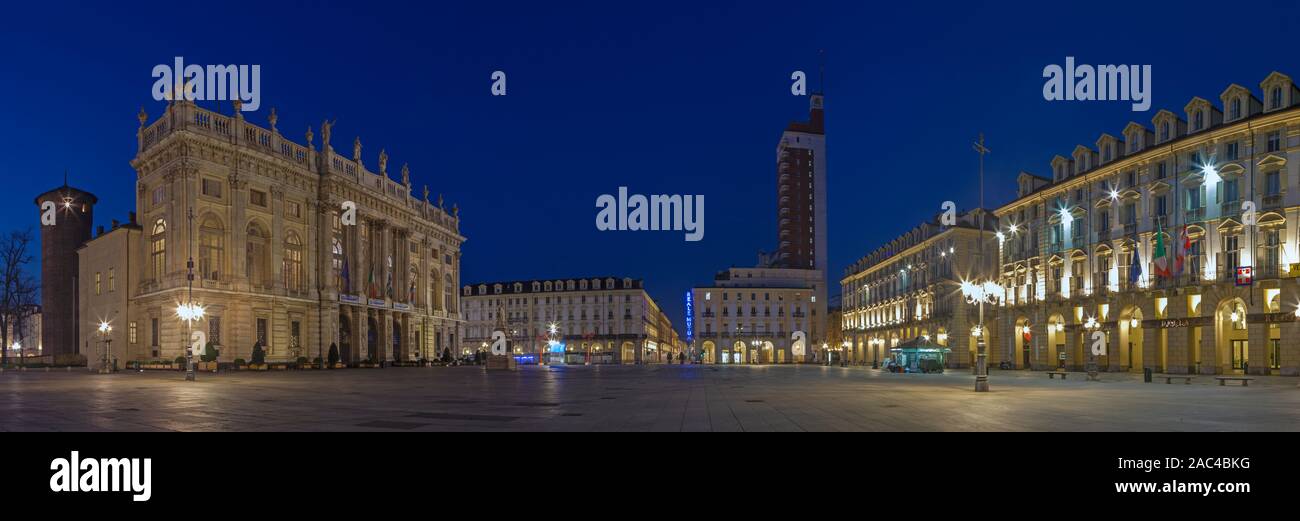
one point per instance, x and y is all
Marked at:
(18, 349)
(979, 294)
(552, 330)
(189, 311)
(105, 330)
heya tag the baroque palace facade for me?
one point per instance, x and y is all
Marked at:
(1215, 190)
(599, 320)
(276, 257)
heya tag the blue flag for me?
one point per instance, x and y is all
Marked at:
(1135, 267)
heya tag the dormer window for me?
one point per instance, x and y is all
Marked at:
(1234, 111)
(1199, 120)
(1164, 131)
(1275, 98)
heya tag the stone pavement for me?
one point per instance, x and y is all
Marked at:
(635, 398)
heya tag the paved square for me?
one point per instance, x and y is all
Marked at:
(634, 398)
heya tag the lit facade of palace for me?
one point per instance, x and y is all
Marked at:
(1066, 245)
(262, 217)
(600, 320)
(907, 289)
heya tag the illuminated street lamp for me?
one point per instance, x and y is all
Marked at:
(105, 331)
(979, 294)
(189, 311)
(18, 347)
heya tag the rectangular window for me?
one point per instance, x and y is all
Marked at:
(295, 335)
(131, 333)
(1230, 192)
(1162, 206)
(96, 282)
(112, 280)
(159, 195)
(1161, 170)
(211, 187)
(294, 210)
(153, 332)
(257, 198)
(261, 331)
(1230, 150)
(1274, 141)
(1232, 252)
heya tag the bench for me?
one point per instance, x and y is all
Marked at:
(1169, 378)
(1223, 380)
(1051, 375)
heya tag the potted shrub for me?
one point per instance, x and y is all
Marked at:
(302, 363)
(208, 361)
(315, 362)
(240, 363)
(259, 357)
(180, 362)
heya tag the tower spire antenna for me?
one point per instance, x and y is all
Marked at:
(65, 178)
(821, 70)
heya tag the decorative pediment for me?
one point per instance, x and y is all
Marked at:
(1275, 78)
(1159, 187)
(1231, 170)
(1197, 103)
(1270, 219)
(1271, 162)
(1233, 91)
(1132, 128)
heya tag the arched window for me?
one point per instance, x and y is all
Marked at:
(256, 257)
(158, 250)
(212, 248)
(292, 262)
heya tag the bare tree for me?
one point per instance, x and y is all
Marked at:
(18, 289)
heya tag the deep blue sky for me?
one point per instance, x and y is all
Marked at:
(662, 97)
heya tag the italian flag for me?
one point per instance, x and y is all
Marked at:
(1161, 256)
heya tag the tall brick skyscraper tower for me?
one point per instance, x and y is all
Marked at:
(801, 192)
(74, 214)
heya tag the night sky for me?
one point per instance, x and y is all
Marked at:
(661, 97)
